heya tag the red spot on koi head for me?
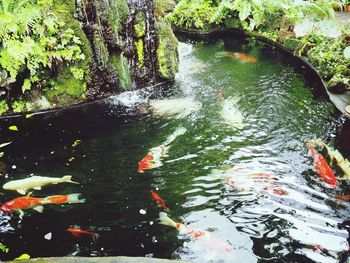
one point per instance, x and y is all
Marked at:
(145, 163)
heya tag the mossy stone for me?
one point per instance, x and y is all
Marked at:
(167, 52)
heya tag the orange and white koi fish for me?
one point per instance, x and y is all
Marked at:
(322, 167)
(343, 163)
(146, 163)
(26, 202)
(153, 158)
(77, 232)
(239, 56)
(158, 199)
(204, 236)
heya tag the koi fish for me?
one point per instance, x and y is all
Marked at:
(322, 167)
(153, 158)
(231, 114)
(280, 191)
(77, 232)
(158, 199)
(175, 108)
(238, 56)
(35, 182)
(345, 198)
(145, 163)
(26, 202)
(343, 163)
(317, 248)
(204, 236)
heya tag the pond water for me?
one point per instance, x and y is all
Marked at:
(247, 180)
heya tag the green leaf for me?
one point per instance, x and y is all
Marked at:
(26, 85)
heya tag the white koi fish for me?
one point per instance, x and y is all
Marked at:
(231, 114)
(177, 108)
(35, 182)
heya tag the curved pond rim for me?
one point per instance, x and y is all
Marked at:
(308, 71)
(81, 105)
(118, 259)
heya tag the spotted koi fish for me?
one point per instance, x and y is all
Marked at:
(322, 167)
(26, 202)
(204, 236)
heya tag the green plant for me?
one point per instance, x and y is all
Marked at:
(33, 39)
(192, 14)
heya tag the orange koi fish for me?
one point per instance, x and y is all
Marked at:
(322, 167)
(316, 248)
(79, 232)
(145, 163)
(26, 202)
(280, 191)
(345, 198)
(239, 56)
(204, 236)
(158, 199)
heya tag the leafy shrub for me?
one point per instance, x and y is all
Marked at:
(251, 13)
(33, 39)
(192, 14)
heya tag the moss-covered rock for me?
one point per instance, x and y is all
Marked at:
(121, 65)
(338, 83)
(140, 53)
(167, 52)
(116, 16)
(65, 10)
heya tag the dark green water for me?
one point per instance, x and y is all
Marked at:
(280, 113)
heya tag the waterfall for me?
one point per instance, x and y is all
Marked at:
(144, 69)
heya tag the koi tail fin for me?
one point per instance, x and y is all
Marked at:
(167, 221)
(68, 179)
(74, 199)
(95, 237)
(179, 131)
